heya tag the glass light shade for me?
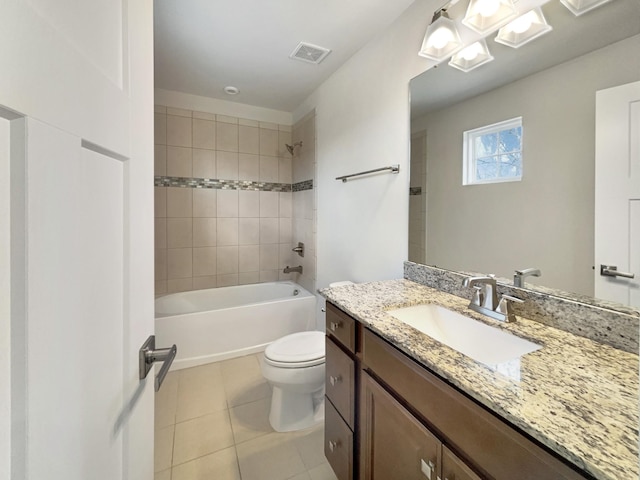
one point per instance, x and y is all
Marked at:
(523, 29)
(441, 39)
(471, 57)
(578, 7)
(484, 16)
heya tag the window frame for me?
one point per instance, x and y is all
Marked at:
(469, 159)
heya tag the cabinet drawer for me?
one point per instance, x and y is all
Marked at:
(340, 373)
(338, 443)
(496, 449)
(454, 468)
(341, 326)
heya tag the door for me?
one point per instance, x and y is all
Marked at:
(76, 91)
(617, 215)
(395, 443)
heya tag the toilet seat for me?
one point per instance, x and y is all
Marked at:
(298, 350)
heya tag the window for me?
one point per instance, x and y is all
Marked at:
(493, 153)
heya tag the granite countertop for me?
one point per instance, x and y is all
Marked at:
(574, 395)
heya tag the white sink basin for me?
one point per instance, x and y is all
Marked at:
(483, 343)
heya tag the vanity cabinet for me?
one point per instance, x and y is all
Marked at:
(407, 423)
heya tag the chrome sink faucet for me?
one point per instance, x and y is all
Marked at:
(485, 299)
(520, 275)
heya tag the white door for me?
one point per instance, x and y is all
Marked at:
(76, 91)
(617, 220)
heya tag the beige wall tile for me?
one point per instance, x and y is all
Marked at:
(248, 123)
(248, 167)
(249, 231)
(227, 119)
(268, 169)
(201, 436)
(269, 204)
(269, 275)
(227, 165)
(178, 131)
(205, 202)
(269, 257)
(227, 260)
(204, 134)
(247, 278)
(160, 233)
(204, 232)
(284, 138)
(202, 283)
(179, 263)
(227, 231)
(161, 287)
(249, 139)
(269, 126)
(160, 129)
(285, 128)
(268, 142)
(248, 203)
(160, 160)
(204, 163)
(160, 202)
(181, 112)
(161, 264)
(248, 258)
(204, 116)
(227, 280)
(227, 203)
(179, 285)
(285, 231)
(159, 109)
(179, 232)
(286, 256)
(226, 137)
(285, 172)
(204, 261)
(179, 163)
(179, 202)
(269, 230)
(285, 208)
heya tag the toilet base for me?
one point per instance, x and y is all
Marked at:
(292, 411)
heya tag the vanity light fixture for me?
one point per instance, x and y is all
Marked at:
(471, 57)
(441, 39)
(578, 7)
(523, 29)
(485, 16)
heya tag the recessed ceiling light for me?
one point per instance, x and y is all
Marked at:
(229, 90)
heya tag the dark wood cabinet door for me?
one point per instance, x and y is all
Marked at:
(394, 444)
(453, 468)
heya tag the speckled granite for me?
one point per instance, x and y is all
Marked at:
(576, 396)
(613, 324)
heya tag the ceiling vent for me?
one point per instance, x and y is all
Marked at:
(309, 53)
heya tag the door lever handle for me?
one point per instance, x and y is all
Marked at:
(612, 271)
(148, 355)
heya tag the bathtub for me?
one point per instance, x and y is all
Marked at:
(221, 323)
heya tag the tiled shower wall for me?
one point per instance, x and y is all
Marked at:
(224, 201)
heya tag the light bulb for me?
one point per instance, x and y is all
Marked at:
(487, 8)
(440, 38)
(521, 24)
(471, 52)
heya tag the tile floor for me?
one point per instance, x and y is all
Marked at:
(212, 423)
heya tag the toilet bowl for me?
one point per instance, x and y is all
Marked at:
(294, 366)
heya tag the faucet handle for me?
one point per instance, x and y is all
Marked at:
(504, 307)
(478, 295)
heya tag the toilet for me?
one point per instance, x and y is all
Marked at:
(294, 366)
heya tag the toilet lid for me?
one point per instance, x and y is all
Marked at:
(297, 349)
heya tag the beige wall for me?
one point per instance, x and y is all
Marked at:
(546, 220)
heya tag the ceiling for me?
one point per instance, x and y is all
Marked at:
(201, 46)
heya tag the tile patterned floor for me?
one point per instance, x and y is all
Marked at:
(212, 423)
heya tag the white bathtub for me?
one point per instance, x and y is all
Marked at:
(221, 323)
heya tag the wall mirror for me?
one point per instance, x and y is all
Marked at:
(546, 220)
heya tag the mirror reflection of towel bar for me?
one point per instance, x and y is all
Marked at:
(392, 168)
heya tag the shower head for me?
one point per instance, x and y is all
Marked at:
(290, 148)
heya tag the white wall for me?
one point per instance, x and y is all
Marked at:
(5, 304)
(545, 221)
(362, 122)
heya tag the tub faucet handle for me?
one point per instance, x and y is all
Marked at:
(299, 249)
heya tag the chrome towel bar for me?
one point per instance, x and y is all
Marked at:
(392, 168)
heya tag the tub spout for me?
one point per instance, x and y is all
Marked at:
(289, 269)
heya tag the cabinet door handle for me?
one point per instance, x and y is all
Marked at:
(333, 444)
(335, 380)
(333, 326)
(427, 468)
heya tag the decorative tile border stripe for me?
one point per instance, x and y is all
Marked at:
(415, 190)
(300, 186)
(186, 182)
